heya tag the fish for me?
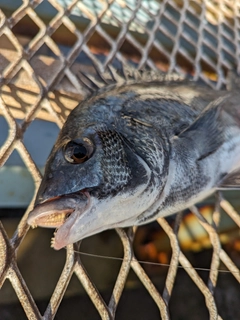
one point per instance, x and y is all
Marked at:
(140, 146)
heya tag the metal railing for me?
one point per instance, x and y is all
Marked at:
(198, 37)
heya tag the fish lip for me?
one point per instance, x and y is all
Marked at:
(62, 233)
(54, 212)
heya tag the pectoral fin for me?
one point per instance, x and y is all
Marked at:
(206, 134)
(231, 181)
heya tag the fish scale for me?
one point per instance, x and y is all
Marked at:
(116, 172)
(150, 145)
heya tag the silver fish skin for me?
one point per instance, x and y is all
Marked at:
(136, 151)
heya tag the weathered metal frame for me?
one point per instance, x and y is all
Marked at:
(226, 17)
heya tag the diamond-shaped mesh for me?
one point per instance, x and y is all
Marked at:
(41, 54)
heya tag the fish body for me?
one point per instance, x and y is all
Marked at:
(135, 151)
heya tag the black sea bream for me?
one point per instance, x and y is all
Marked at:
(137, 150)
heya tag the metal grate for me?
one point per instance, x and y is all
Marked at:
(40, 79)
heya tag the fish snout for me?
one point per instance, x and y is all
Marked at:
(55, 211)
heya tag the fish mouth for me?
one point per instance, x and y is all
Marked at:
(60, 213)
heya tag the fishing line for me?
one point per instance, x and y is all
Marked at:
(149, 263)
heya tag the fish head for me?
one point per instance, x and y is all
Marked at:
(93, 181)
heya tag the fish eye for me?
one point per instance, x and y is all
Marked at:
(78, 152)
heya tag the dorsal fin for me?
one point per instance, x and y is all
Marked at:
(115, 75)
(93, 82)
